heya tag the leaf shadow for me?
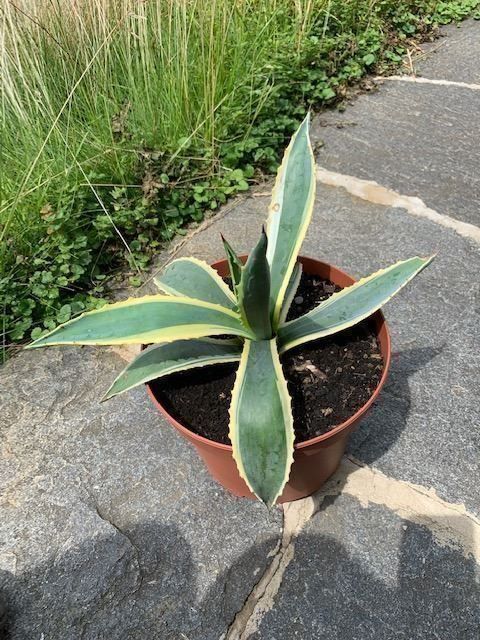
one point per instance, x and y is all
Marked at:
(384, 425)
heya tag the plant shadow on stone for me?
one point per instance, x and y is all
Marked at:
(151, 590)
(138, 583)
(413, 589)
(384, 426)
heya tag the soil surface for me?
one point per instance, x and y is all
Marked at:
(328, 379)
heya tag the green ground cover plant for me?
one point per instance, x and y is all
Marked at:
(122, 122)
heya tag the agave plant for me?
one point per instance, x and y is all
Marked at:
(197, 304)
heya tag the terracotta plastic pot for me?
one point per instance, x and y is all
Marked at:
(315, 460)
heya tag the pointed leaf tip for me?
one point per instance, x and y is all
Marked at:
(290, 214)
(253, 292)
(234, 263)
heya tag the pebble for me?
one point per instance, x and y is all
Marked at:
(298, 300)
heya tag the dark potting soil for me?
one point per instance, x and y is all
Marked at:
(328, 379)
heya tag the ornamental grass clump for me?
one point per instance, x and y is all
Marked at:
(249, 318)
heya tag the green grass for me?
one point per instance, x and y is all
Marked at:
(122, 121)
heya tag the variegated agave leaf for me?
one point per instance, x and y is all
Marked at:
(351, 305)
(290, 214)
(146, 320)
(253, 292)
(261, 423)
(195, 279)
(160, 360)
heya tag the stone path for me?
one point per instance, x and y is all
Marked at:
(109, 525)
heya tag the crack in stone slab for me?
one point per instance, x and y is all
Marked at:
(262, 597)
(375, 193)
(420, 80)
(130, 542)
(450, 524)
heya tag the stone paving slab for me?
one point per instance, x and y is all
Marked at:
(455, 56)
(366, 574)
(107, 506)
(418, 139)
(109, 525)
(425, 427)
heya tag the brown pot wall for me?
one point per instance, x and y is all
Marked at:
(315, 460)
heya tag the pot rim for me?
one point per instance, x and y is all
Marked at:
(386, 353)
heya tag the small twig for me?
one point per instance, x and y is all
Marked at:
(410, 62)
